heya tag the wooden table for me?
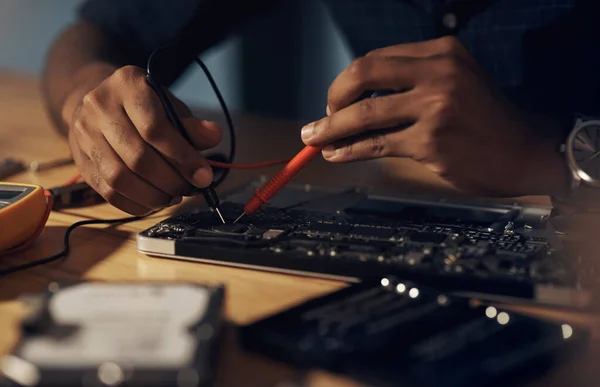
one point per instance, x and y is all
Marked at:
(109, 253)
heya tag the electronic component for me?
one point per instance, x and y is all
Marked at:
(23, 210)
(75, 195)
(392, 332)
(353, 235)
(119, 334)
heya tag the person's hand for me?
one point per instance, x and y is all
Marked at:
(128, 151)
(446, 114)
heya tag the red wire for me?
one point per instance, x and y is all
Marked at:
(281, 179)
(50, 201)
(247, 166)
(77, 177)
(25, 245)
(216, 164)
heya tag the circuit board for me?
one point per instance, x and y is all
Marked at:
(352, 235)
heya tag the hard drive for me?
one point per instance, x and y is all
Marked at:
(118, 334)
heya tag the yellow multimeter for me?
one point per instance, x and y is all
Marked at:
(23, 208)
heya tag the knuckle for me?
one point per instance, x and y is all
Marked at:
(449, 44)
(439, 168)
(448, 68)
(139, 160)
(373, 53)
(120, 132)
(144, 97)
(377, 145)
(359, 70)
(115, 177)
(366, 111)
(331, 101)
(96, 182)
(429, 145)
(110, 195)
(325, 126)
(347, 151)
(128, 73)
(96, 156)
(441, 107)
(79, 127)
(149, 128)
(333, 97)
(92, 101)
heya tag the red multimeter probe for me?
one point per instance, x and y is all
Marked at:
(280, 180)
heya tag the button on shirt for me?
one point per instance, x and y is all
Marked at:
(545, 54)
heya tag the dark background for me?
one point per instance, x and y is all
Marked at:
(280, 65)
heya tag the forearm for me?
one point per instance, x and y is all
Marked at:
(79, 60)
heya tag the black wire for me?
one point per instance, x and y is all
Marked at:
(175, 120)
(230, 127)
(156, 85)
(66, 241)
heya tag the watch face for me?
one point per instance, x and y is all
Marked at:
(584, 152)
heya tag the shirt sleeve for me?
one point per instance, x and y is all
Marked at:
(147, 23)
(141, 26)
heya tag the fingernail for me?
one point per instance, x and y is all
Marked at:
(328, 110)
(329, 151)
(202, 177)
(308, 131)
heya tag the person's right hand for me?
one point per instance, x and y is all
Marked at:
(129, 152)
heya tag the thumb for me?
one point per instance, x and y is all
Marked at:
(203, 134)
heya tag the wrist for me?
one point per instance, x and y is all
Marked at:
(545, 171)
(84, 80)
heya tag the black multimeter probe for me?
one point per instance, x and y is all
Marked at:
(209, 193)
(76, 194)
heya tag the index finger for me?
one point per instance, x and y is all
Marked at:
(368, 74)
(152, 123)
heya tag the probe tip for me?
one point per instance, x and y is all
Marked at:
(219, 213)
(239, 217)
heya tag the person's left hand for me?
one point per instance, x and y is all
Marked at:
(446, 114)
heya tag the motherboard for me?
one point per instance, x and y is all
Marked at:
(349, 234)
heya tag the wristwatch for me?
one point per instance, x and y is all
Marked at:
(582, 156)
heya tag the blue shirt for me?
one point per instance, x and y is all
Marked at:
(545, 54)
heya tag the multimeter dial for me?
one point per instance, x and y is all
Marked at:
(583, 152)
